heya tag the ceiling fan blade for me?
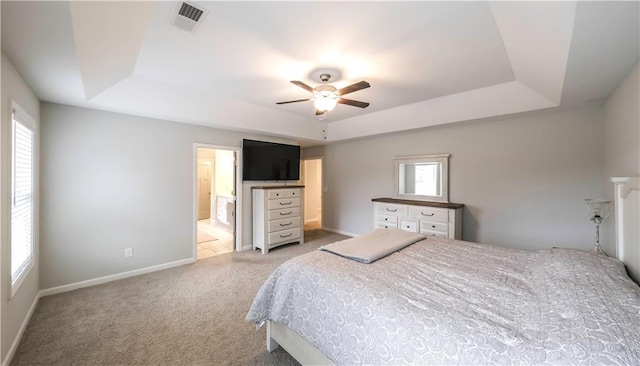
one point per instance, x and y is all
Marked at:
(294, 101)
(354, 103)
(353, 88)
(302, 85)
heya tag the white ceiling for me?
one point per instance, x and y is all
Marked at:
(428, 63)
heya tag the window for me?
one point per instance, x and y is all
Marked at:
(22, 232)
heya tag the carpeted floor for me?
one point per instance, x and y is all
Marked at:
(188, 315)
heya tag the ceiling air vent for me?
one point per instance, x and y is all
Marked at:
(188, 17)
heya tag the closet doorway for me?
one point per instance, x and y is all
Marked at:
(215, 201)
(312, 181)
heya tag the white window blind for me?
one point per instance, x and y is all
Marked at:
(21, 201)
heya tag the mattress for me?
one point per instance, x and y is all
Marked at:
(442, 301)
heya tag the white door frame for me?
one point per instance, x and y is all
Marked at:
(237, 191)
(302, 161)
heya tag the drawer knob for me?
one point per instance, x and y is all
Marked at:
(386, 219)
(286, 236)
(433, 226)
(285, 213)
(285, 203)
(424, 214)
(291, 222)
(392, 210)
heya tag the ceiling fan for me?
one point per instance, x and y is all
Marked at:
(326, 96)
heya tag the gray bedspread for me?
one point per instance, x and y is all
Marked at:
(441, 301)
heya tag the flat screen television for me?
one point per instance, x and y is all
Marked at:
(269, 161)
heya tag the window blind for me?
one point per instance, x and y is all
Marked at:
(21, 200)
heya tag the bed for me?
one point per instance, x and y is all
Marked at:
(442, 301)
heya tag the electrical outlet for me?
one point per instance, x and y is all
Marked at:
(128, 253)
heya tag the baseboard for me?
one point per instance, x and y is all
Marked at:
(340, 232)
(23, 327)
(118, 276)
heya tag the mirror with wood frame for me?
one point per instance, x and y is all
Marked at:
(423, 177)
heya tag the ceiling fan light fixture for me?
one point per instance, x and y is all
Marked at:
(325, 97)
(325, 100)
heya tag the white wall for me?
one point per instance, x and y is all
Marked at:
(16, 309)
(523, 179)
(223, 185)
(224, 172)
(621, 141)
(112, 181)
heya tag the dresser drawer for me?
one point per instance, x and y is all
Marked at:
(283, 203)
(429, 218)
(387, 219)
(391, 209)
(385, 225)
(284, 235)
(283, 213)
(435, 233)
(283, 193)
(433, 226)
(283, 224)
(429, 214)
(409, 225)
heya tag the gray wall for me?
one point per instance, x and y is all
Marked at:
(523, 179)
(15, 310)
(112, 181)
(621, 141)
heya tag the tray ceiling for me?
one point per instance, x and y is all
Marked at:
(428, 63)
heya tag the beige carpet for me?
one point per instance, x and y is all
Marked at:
(189, 315)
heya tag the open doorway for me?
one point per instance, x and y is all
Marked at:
(312, 180)
(215, 201)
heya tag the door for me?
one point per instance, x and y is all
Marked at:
(204, 190)
(224, 187)
(231, 208)
(215, 197)
(312, 180)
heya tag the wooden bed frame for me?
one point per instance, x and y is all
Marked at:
(627, 222)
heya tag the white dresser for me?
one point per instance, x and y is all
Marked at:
(431, 218)
(277, 216)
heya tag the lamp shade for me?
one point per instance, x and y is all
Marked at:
(597, 209)
(325, 100)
